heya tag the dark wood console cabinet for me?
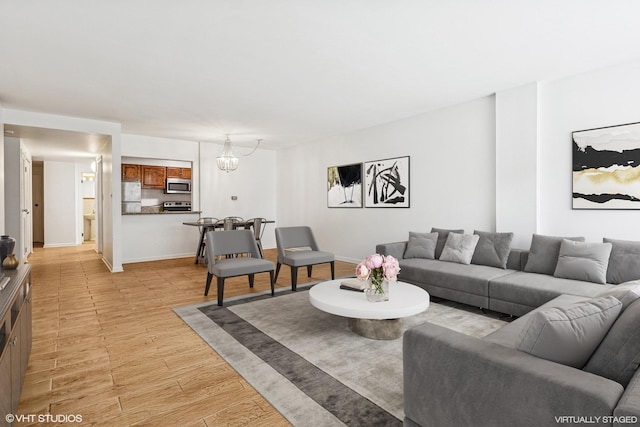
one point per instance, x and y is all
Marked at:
(15, 337)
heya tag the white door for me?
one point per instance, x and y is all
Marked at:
(26, 231)
(99, 205)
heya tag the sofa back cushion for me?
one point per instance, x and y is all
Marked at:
(543, 255)
(492, 249)
(459, 248)
(583, 261)
(443, 233)
(618, 355)
(570, 334)
(624, 263)
(421, 245)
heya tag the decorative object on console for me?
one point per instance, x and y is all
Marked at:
(344, 186)
(387, 183)
(10, 262)
(606, 167)
(227, 161)
(378, 270)
(7, 245)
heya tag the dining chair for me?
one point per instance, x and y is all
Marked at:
(203, 224)
(257, 224)
(297, 247)
(231, 222)
(234, 242)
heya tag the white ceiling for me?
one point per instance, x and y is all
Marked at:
(292, 71)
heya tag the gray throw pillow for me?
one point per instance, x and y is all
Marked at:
(459, 248)
(583, 261)
(492, 249)
(624, 263)
(626, 293)
(543, 254)
(618, 356)
(443, 233)
(421, 245)
(569, 335)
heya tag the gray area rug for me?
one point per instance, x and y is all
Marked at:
(309, 365)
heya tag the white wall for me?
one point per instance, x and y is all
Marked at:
(452, 179)
(155, 237)
(517, 130)
(254, 184)
(60, 204)
(605, 97)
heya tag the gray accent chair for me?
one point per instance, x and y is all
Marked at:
(305, 253)
(220, 244)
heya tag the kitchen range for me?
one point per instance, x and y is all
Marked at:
(176, 206)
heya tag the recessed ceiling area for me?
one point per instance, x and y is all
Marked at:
(58, 145)
(292, 72)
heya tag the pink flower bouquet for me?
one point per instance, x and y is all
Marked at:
(375, 268)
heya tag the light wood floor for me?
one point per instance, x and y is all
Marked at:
(108, 346)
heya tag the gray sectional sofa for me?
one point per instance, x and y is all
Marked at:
(571, 358)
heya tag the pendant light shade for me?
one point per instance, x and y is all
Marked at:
(227, 161)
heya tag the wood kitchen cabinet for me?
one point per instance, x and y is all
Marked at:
(15, 338)
(184, 173)
(131, 173)
(153, 176)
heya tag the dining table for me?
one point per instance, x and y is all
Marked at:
(218, 225)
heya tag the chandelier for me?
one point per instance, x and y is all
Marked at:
(227, 161)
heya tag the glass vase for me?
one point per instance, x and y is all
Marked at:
(373, 293)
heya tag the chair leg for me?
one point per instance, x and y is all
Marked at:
(208, 284)
(220, 290)
(251, 277)
(294, 278)
(333, 273)
(273, 291)
(309, 267)
(277, 271)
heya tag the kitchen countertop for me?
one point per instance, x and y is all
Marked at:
(160, 212)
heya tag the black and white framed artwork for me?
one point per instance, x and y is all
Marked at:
(387, 183)
(344, 186)
(606, 167)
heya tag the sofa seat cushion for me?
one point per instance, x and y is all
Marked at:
(509, 334)
(467, 278)
(536, 289)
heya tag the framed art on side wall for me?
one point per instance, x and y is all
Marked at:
(606, 168)
(387, 183)
(344, 186)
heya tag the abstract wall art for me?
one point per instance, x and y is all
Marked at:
(606, 167)
(344, 186)
(387, 183)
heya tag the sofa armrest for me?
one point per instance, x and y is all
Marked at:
(629, 404)
(451, 379)
(395, 249)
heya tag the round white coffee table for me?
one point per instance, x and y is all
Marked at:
(376, 320)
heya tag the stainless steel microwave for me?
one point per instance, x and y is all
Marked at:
(177, 185)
